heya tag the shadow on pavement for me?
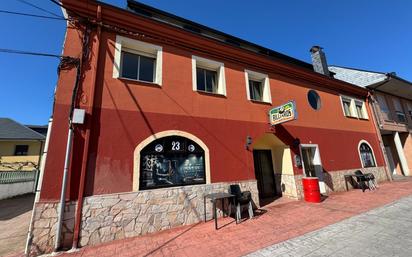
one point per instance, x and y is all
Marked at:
(13, 207)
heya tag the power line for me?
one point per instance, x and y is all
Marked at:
(32, 15)
(39, 8)
(13, 51)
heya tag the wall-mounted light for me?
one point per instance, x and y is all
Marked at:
(248, 142)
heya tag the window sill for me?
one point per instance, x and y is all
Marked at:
(356, 118)
(210, 94)
(260, 102)
(146, 83)
(352, 117)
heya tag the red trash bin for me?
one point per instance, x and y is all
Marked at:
(311, 189)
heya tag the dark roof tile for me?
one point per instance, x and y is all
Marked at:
(10, 129)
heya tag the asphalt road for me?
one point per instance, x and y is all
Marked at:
(385, 231)
(15, 214)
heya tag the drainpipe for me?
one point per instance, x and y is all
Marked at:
(60, 210)
(38, 188)
(85, 157)
(371, 103)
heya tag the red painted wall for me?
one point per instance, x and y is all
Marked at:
(127, 112)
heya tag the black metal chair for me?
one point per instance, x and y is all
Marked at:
(241, 198)
(365, 180)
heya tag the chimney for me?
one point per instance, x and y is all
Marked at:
(319, 60)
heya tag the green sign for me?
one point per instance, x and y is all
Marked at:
(285, 112)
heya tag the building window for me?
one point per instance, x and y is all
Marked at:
(347, 107)
(137, 60)
(257, 86)
(400, 114)
(359, 109)
(366, 155)
(206, 80)
(208, 76)
(354, 108)
(137, 67)
(314, 99)
(383, 106)
(171, 161)
(21, 150)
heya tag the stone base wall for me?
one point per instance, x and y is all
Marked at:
(44, 227)
(117, 216)
(288, 185)
(335, 181)
(291, 185)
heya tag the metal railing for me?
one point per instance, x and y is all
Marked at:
(9, 177)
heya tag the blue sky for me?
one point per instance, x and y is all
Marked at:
(372, 35)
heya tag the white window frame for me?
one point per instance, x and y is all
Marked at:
(363, 108)
(141, 48)
(219, 67)
(373, 153)
(264, 78)
(352, 107)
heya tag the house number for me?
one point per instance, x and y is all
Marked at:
(175, 145)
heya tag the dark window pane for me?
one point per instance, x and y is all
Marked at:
(367, 156)
(401, 117)
(130, 64)
(314, 99)
(200, 76)
(146, 69)
(346, 107)
(171, 161)
(359, 110)
(256, 92)
(211, 81)
(21, 150)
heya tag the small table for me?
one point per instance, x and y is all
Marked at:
(214, 197)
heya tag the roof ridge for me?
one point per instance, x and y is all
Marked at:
(357, 69)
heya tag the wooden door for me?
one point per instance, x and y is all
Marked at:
(264, 173)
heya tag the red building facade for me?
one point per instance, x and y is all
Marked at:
(175, 110)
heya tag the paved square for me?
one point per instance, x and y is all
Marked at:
(385, 231)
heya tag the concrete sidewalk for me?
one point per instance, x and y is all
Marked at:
(385, 231)
(281, 222)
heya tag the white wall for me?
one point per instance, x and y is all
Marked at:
(14, 189)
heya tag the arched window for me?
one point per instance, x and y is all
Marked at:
(366, 154)
(171, 161)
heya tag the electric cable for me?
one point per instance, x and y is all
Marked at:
(39, 8)
(14, 51)
(32, 15)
